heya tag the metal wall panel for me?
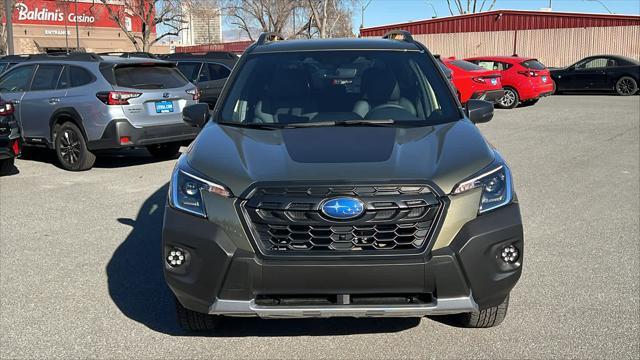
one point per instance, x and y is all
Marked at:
(503, 20)
(554, 47)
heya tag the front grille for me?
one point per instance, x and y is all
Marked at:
(288, 220)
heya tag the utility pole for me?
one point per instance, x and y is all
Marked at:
(66, 28)
(8, 9)
(363, 7)
(77, 31)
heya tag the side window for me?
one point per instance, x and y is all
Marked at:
(612, 62)
(190, 69)
(79, 76)
(487, 64)
(63, 82)
(505, 66)
(592, 63)
(217, 71)
(204, 74)
(17, 79)
(46, 77)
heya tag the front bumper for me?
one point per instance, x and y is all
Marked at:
(149, 135)
(222, 278)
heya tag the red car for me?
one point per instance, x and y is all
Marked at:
(525, 80)
(474, 82)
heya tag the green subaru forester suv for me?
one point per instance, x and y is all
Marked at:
(340, 178)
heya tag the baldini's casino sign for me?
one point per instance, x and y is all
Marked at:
(51, 12)
(44, 14)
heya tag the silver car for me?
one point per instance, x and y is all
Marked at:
(76, 104)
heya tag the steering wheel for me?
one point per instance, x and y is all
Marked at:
(390, 111)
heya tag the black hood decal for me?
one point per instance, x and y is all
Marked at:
(338, 144)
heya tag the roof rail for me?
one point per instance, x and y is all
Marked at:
(402, 35)
(15, 57)
(76, 56)
(205, 54)
(130, 54)
(267, 37)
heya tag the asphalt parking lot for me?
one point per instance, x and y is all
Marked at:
(80, 273)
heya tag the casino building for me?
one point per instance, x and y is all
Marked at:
(50, 26)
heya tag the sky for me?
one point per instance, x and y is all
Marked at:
(381, 12)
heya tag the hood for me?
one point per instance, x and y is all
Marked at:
(238, 157)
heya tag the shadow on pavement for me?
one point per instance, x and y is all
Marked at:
(107, 159)
(137, 287)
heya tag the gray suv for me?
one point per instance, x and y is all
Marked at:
(341, 177)
(76, 104)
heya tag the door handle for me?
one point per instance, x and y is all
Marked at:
(54, 101)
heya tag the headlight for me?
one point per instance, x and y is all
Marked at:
(187, 190)
(496, 188)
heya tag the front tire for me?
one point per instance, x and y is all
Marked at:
(485, 318)
(164, 151)
(192, 321)
(71, 148)
(509, 100)
(626, 86)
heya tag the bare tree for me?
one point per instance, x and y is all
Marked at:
(469, 6)
(292, 18)
(255, 16)
(3, 26)
(330, 16)
(152, 13)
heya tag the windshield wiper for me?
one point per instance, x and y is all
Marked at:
(252, 125)
(355, 122)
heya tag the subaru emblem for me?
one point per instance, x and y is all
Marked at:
(166, 95)
(342, 208)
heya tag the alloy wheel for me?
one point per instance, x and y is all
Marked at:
(508, 99)
(69, 147)
(626, 87)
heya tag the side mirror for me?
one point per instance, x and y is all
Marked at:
(479, 111)
(196, 115)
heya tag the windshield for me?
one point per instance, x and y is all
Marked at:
(533, 64)
(325, 87)
(149, 77)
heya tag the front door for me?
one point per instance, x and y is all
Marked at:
(588, 75)
(38, 104)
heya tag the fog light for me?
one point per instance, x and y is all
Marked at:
(176, 257)
(510, 254)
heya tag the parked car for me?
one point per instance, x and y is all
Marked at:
(289, 206)
(525, 80)
(10, 145)
(475, 82)
(209, 71)
(79, 103)
(599, 73)
(7, 61)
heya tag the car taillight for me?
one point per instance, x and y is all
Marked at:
(6, 109)
(480, 79)
(195, 93)
(117, 97)
(528, 73)
(16, 147)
